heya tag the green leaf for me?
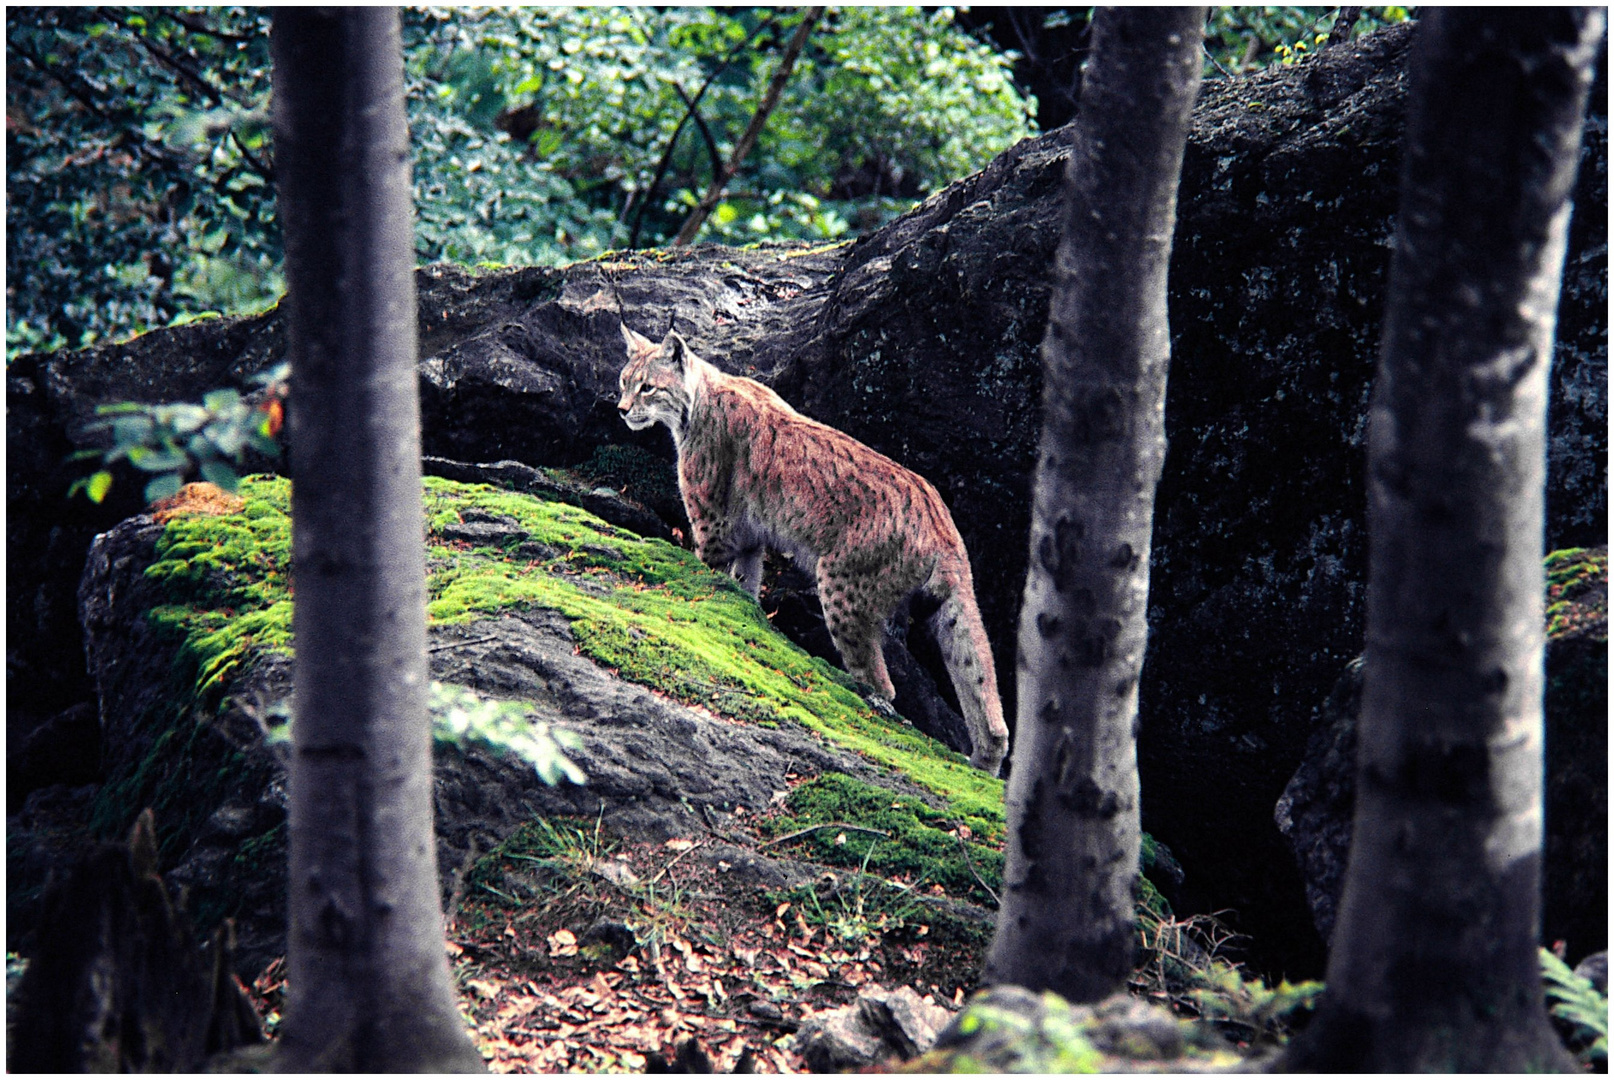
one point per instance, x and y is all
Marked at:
(164, 486)
(146, 459)
(132, 431)
(99, 484)
(183, 418)
(261, 441)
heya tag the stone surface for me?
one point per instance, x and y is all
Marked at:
(928, 351)
(1011, 1029)
(118, 983)
(879, 1027)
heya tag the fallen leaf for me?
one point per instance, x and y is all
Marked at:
(483, 988)
(563, 943)
(678, 844)
(517, 1008)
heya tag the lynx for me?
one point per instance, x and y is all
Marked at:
(756, 474)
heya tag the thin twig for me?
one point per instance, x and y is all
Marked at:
(265, 169)
(167, 59)
(461, 644)
(817, 828)
(713, 154)
(1208, 55)
(675, 861)
(770, 98)
(965, 850)
(1344, 23)
(200, 28)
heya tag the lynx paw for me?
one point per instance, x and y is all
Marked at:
(880, 705)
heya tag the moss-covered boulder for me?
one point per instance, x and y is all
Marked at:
(692, 711)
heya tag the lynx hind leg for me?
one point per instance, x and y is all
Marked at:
(856, 621)
(961, 637)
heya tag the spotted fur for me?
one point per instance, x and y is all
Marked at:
(756, 474)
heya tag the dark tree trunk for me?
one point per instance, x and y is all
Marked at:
(1066, 919)
(1434, 964)
(367, 975)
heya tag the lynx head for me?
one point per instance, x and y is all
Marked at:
(655, 382)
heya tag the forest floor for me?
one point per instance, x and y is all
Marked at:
(637, 949)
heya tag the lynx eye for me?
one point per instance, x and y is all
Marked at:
(645, 388)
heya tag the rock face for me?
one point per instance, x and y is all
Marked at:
(118, 983)
(1315, 810)
(921, 340)
(879, 1027)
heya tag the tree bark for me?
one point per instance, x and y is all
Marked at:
(1066, 919)
(368, 979)
(1434, 960)
(770, 98)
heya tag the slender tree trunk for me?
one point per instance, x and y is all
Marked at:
(1434, 958)
(770, 98)
(1066, 918)
(368, 980)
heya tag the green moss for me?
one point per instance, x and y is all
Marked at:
(921, 844)
(644, 608)
(230, 579)
(1577, 590)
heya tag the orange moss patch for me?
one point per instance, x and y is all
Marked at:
(200, 497)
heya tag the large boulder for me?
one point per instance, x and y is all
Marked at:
(1315, 810)
(592, 629)
(921, 340)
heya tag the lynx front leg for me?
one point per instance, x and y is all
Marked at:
(747, 568)
(723, 546)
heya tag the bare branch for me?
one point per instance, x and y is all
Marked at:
(776, 86)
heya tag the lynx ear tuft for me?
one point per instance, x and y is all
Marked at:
(637, 343)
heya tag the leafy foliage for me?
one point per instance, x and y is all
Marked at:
(1580, 1007)
(138, 185)
(140, 170)
(1239, 40)
(541, 131)
(174, 441)
(460, 716)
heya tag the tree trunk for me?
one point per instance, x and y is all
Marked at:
(367, 975)
(1066, 919)
(1434, 960)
